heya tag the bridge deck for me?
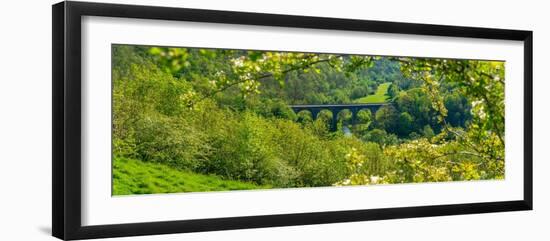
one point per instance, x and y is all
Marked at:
(339, 105)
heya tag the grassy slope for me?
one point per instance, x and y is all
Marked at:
(378, 97)
(138, 177)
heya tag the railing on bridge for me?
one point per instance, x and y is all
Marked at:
(335, 109)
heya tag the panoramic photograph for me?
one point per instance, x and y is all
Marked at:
(208, 120)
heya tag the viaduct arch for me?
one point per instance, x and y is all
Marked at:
(335, 109)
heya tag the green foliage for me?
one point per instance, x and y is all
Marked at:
(381, 137)
(304, 117)
(428, 132)
(363, 122)
(404, 124)
(273, 108)
(187, 119)
(169, 140)
(386, 118)
(471, 153)
(393, 91)
(482, 82)
(359, 92)
(458, 108)
(243, 149)
(417, 104)
(365, 164)
(212, 139)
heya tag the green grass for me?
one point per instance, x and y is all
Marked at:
(379, 97)
(137, 177)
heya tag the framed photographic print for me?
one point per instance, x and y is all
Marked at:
(170, 120)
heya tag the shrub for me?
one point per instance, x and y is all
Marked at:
(319, 161)
(168, 140)
(381, 137)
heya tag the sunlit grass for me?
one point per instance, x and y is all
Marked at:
(379, 97)
(137, 177)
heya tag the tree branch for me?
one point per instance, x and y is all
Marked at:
(263, 76)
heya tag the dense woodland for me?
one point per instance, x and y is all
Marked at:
(189, 119)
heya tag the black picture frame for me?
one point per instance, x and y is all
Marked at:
(66, 128)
